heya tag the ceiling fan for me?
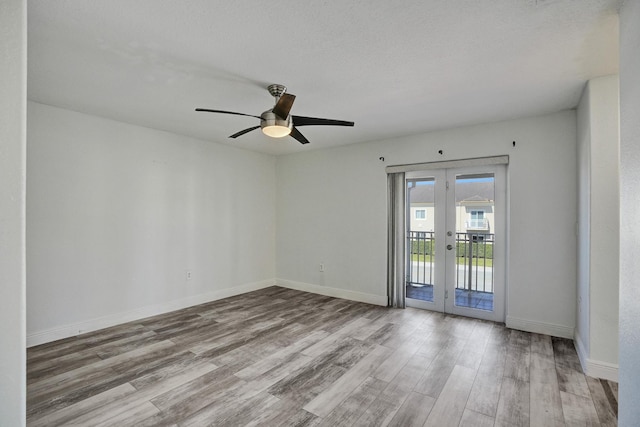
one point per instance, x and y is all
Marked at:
(277, 122)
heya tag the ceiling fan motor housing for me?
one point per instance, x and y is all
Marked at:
(275, 126)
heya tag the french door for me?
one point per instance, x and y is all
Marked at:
(455, 241)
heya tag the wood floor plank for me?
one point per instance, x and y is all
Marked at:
(571, 380)
(183, 363)
(513, 407)
(388, 403)
(129, 415)
(518, 356)
(278, 356)
(433, 343)
(541, 344)
(493, 360)
(449, 407)
(352, 408)
(283, 413)
(384, 333)
(578, 411)
(437, 374)
(414, 411)
(606, 406)
(83, 407)
(517, 363)
(485, 394)
(175, 408)
(66, 383)
(461, 327)
(220, 345)
(474, 419)
(369, 328)
(471, 357)
(307, 382)
(326, 401)
(218, 414)
(565, 354)
(333, 322)
(545, 404)
(45, 386)
(142, 395)
(190, 393)
(266, 380)
(42, 369)
(81, 390)
(396, 361)
(402, 332)
(382, 412)
(55, 349)
(499, 335)
(334, 339)
(613, 387)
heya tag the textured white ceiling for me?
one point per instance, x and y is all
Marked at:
(394, 67)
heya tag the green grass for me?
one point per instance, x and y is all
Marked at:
(480, 262)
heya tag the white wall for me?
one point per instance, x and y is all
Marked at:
(13, 86)
(598, 153)
(629, 409)
(605, 221)
(335, 214)
(582, 337)
(117, 214)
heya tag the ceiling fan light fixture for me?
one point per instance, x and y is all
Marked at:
(274, 126)
(276, 131)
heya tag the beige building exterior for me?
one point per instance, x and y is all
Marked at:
(474, 207)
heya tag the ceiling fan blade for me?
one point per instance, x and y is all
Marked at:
(295, 133)
(314, 121)
(242, 132)
(283, 106)
(226, 112)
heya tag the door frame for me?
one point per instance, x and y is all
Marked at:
(439, 176)
(445, 193)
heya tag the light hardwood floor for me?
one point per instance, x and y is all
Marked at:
(282, 357)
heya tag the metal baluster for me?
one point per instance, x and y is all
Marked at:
(470, 254)
(484, 266)
(431, 257)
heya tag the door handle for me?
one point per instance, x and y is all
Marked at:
(449, 247)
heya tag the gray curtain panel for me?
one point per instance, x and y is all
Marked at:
(396, 240)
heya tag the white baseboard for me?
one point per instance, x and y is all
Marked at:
(333, 292)
(90, 325)
(539, 327)
(595, 368)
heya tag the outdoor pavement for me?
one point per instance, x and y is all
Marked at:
(464, 298)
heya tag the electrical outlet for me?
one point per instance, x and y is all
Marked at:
(321, 266)
(188, 274)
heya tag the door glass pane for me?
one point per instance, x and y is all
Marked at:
(420, 239)
(475, 225)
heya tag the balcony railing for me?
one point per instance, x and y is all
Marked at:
(421, 255)
(474, 260)
(477, 224)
